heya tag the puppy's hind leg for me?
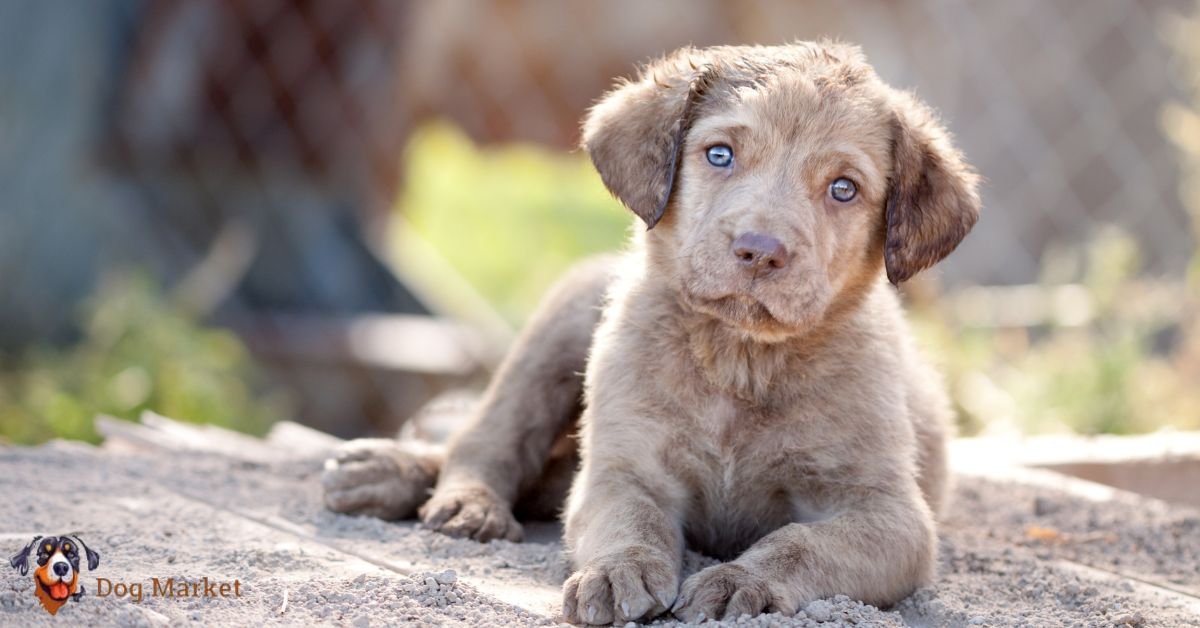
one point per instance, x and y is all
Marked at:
(531, 403)
(381, 477)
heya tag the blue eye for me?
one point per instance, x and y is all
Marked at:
(720, 155)
(843, 190)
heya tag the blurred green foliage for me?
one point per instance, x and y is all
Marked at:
(509, 219)
(1127, 369)
(137, 352)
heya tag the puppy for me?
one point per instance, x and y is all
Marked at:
(751, 389)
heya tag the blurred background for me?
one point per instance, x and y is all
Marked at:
(242, 211)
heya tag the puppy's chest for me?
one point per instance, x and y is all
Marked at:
(744, 472)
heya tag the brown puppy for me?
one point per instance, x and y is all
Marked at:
(751, 389)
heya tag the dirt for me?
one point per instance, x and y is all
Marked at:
(1011, 555)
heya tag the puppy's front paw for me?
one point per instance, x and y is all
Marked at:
(471, 512)
(724, 592)
(629, 585)
(378, 478)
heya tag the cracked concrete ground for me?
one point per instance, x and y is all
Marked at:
(166, 500)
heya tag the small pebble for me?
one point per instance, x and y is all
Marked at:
(819, 610)
(1043, 506)
(1130, 619)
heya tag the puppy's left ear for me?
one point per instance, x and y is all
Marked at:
(635, 134)
(933, 199)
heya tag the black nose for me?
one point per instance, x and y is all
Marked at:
(61, 569)
(760, 253)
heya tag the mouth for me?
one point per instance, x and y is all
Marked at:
(58, 591)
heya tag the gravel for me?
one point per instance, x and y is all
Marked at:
(1011, 555)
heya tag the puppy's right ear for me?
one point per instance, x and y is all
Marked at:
(635, 134)
(20, 560)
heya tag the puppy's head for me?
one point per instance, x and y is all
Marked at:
(778, 182)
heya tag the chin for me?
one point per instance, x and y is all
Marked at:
(752, 318)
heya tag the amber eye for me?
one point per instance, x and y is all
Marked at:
(48, 547)
(66, 547)
(843, 190)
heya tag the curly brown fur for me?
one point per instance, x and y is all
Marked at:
(774, 415)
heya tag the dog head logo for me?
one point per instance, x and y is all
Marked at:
(56, 576)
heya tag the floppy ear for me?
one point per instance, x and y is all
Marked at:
(20, 560)
(93, 559)
(635, 134)
(933, 201)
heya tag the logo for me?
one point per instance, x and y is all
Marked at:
(56, 577)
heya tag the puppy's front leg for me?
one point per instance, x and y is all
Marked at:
(625, 543)
(878, 550)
